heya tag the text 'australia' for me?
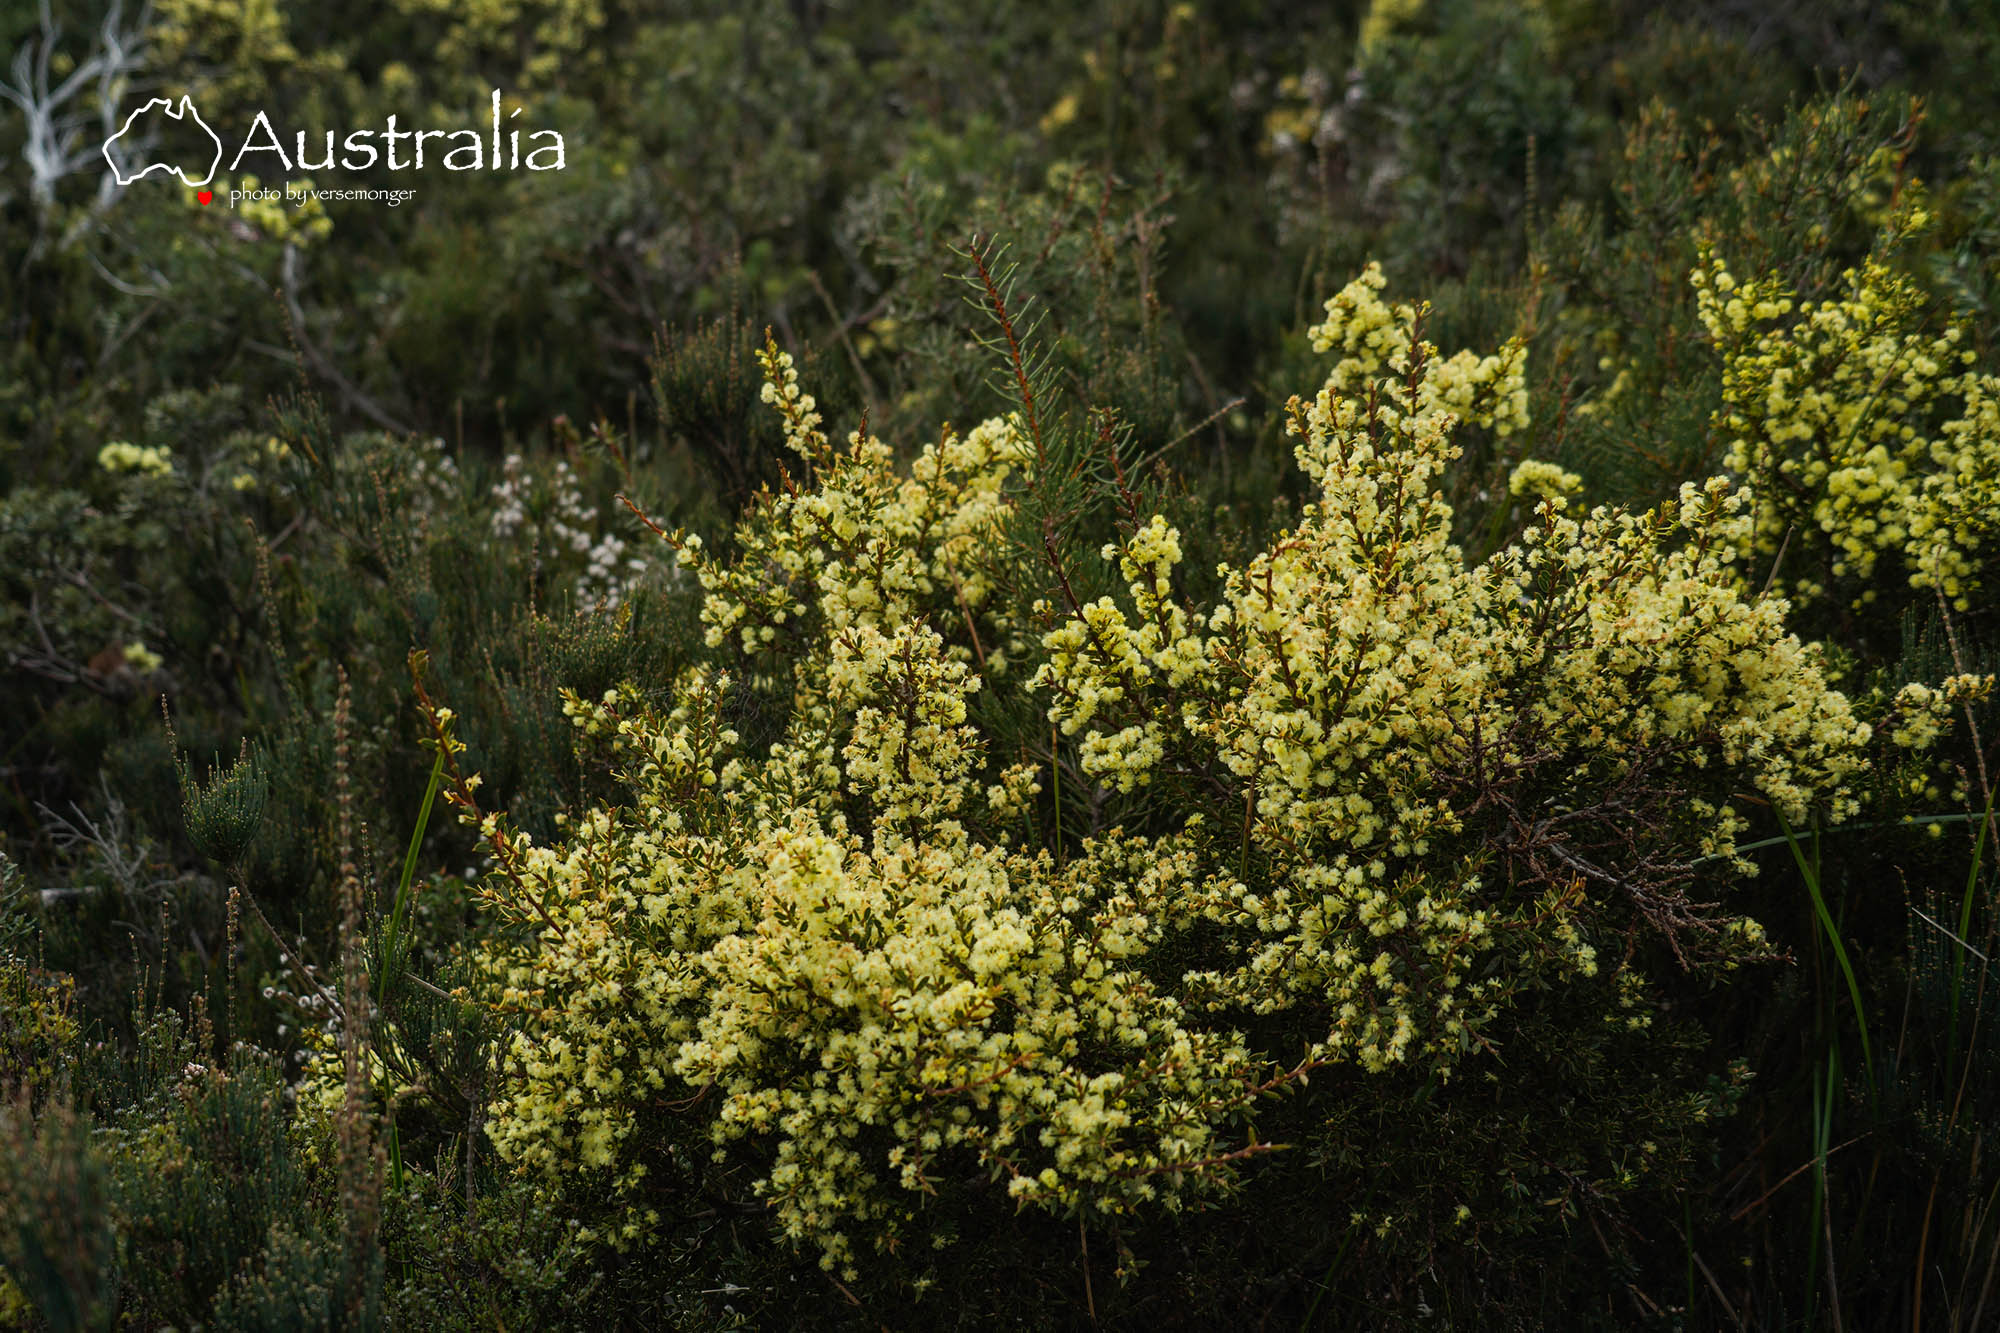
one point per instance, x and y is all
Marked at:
(464, 150)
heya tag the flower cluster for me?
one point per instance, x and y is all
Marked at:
(885, 1015)
(1862, 433)
(911, 751)
(1919, 714)
(864, 546)
(554, 509)
(152, 461)
(1372, 336)
(896, 1010)
(1532, 476)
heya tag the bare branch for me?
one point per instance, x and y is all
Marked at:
(56, 143)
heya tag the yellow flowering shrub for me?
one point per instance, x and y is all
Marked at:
(876, 1007)
(1421, 788)
(1862, 432)
(1380, 711)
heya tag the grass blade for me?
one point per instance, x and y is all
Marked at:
(1811, 875)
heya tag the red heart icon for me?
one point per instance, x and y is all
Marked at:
(205, 196)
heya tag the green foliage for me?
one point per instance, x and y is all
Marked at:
(247, 454)
(298, 1287)
(38, 1030)
(222, 814)
(200, 1191)
(59, 1244)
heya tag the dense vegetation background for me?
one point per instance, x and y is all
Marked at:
(299, 479)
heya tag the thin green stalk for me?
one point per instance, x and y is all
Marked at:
(1962, 943)
(398, 914)
(1822, 1127)
(1326, 1282)
(1811, 875)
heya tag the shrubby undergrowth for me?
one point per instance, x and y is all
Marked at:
(1002, 813)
